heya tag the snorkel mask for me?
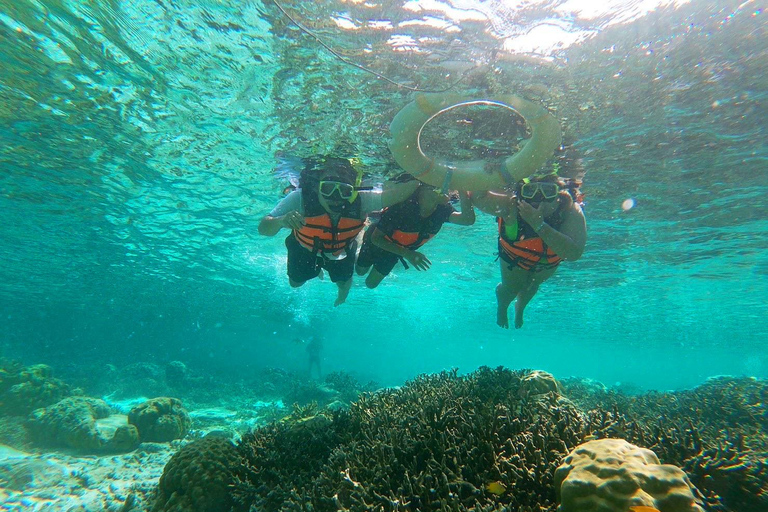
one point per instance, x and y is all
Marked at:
(540, 188)
(334, 179)
(338, 187)
(538, 191)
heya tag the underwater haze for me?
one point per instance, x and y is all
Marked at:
(139, 141)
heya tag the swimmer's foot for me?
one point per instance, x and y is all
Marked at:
(501, 311)
(518, 318)
(343, 292)
(519, 310)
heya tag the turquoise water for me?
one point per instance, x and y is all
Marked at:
(138, 140)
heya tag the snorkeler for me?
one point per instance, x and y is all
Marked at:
(314, 348)
(404, 228)
(325, 215)
(540, 224)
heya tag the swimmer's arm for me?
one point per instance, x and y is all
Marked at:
(380, 240)
(467, 215)
(270, 226)
(569, 242)
(394, 193)
(285, 215)
(415, 258)
(498, 205)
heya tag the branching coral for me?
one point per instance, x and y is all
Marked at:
(491, 440)
(433, 444)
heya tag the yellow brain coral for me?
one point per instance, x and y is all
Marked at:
(612, 475)
(539, 382)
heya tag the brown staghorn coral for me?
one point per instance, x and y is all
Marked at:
(477, 443)
(432, 445)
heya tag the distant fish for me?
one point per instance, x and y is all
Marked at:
(298, 341)
(496, 488)
(643, 508)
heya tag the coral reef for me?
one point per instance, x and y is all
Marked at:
(493, 439)
(14, 433)
(716, 433)
(607, 475)
(160, 420)
(23, 390)
(134, 380)
(737, 475)
(347, 386)
(538, 382)
(198, 478)
(176, 374)
(83, 424)
(434, 444)
(293, 388)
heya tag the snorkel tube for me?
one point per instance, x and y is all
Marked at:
(476, 175)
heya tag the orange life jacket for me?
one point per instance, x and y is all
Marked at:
(409, 240)
(319, 234)
(408, 228)
(527, 253)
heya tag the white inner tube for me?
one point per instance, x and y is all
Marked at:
(408, 124)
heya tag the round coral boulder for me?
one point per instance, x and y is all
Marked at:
(198, 478)
(539, 382)
(26, 389)
(83, 424)
(160, 420)
(608, 475)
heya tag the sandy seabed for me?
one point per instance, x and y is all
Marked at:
(48, 482)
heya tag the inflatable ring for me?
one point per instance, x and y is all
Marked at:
(408, 124)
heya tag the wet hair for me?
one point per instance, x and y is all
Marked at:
(316, 168)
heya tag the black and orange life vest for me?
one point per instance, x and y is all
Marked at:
(528, 251)
(320, 234)
(408, 239)
(402, 224)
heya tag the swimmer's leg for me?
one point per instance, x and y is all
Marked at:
(512, 282)
(374, 278)
(344, 287)
(302, 265)
(361, 270)
(525, 296)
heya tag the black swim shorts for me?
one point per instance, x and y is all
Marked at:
(370, 254)
(303, 265)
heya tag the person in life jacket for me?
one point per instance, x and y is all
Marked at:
(325, 215)
(540, 223)
(404, 228)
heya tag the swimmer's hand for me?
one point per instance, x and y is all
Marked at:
(531, 215)
(292, 220)
(418, 260)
